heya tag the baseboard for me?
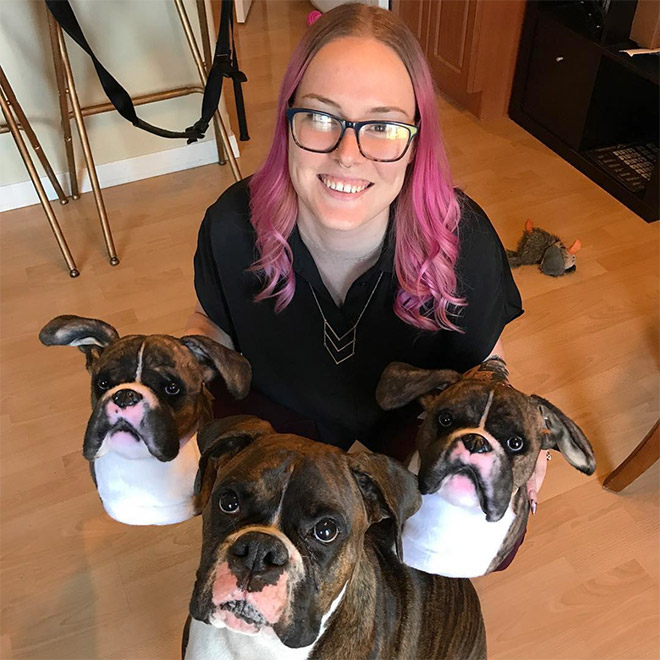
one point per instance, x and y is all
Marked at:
(242, 8)
(17, 195)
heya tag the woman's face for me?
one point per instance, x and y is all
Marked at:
(356, 79)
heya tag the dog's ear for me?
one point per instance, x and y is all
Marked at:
(215, 359)
(400, 383)
(389, 491)
(91, 336)
(566, 436)
(219, 441)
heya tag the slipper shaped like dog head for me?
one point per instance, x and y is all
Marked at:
(481, 438)
(284, 526)
(477, 448)
(148, 400)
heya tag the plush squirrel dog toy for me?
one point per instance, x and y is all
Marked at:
(476, 449)
(538, 246)
(148, 400)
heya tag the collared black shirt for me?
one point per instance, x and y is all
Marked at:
(290, 364)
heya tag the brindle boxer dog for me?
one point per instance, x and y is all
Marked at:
(148, 400)
(298, 557)
(476, 449)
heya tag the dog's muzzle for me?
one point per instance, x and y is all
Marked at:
(471, 472)
(250, 588)
(257, 559)
(130, 420)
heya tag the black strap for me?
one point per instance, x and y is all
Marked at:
(225, 61)
(225, 64)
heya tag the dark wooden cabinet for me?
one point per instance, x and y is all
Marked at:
(471, 46)
(594, 106)
(562, 72)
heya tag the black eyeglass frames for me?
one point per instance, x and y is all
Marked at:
(321, 132)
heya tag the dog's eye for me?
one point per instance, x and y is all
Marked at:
(326, 530)
(445, 418)
(229, 502)
(103, 384)
(515, 443)
(172, 388)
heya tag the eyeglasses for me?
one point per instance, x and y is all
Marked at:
(321, 132)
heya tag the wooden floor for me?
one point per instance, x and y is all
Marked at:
(77, 585)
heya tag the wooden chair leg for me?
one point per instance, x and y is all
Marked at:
(641, 459)
(6, 110)
(31, 136)
(62, 91)
(87, 150)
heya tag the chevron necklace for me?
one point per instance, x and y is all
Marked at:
(342, 347)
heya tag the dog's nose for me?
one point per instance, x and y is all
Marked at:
(126, 398)
(476, 444)
(258, 552)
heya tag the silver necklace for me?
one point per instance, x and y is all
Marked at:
(342, 347)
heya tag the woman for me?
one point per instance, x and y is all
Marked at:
(350, 248)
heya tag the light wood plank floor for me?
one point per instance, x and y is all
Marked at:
(78, 585)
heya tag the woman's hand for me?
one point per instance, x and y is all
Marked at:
(535, 481)
(200, 324)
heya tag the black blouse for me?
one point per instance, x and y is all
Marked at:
(290, 364)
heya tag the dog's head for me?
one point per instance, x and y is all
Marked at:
(480, 439)
(147, 391)
(284, 525)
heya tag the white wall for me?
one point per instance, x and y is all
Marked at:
(327, 5)
(140, 42)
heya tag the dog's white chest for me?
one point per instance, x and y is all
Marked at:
(454, 541)
(208, 643)
(147, 491)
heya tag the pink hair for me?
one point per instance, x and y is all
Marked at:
(426, 212)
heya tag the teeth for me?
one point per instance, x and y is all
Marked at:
(244, 610)
(341, 187)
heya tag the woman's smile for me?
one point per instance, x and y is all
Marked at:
(343, 185)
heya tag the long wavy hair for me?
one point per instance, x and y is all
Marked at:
(426, 212)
